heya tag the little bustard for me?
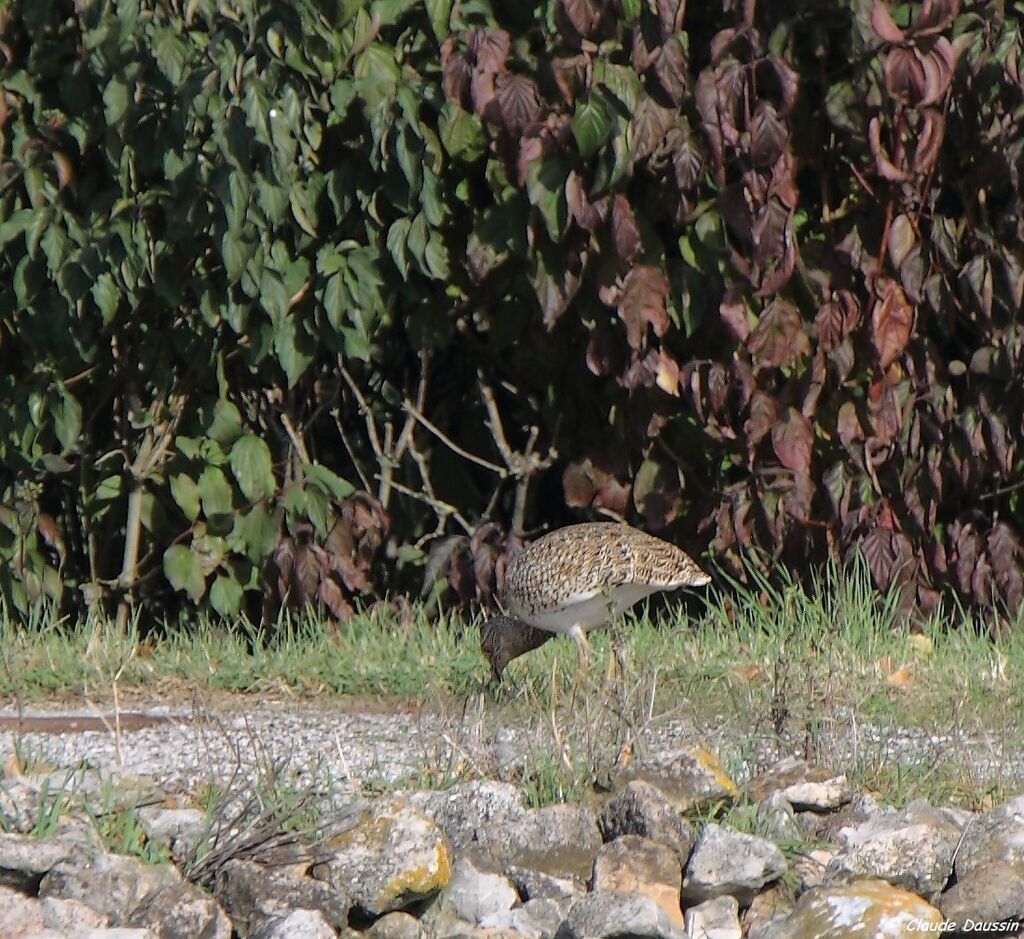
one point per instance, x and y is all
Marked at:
(576, 579)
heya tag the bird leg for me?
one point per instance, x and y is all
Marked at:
(582, 647)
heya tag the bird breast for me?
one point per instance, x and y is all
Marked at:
(587, 612)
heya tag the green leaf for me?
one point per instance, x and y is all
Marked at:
(226, 426)
(258, 533)
(620, 80)
(182, 570)
(236, 253)
(186, 494)
(631, 9)
(328, 481)
(107, 297)
(545, 188)
(214, 491)
(436, 257)
(115, 100)
(293, 358)
(440, 12)
(591, 124)
(226, 595)
(398, 234)
(67, 420)
(16, 223)
(462, 134)
(109, 489)
(253, 467)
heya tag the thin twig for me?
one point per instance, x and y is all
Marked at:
(293, 436)
(437, 504)
(451, 444)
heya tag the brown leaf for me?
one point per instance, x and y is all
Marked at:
(789, 83)
(836, 319)
(892, 321)
(848, 427)
(61, 162)
(935, 16)
(670, 67)
(733, 310)
(585, 15)
(883, 165)
(778, 339)
(642, 303)
(625, 231)
(902, 239)
(650, 122)
(489, 49)
(929, 140)
(667, 378)
(593, 482)
(330, 595)
(602, 356)
(657, 494)
(456, 73)
(687, 161)
(764, 414)
(884, 25)
(518, 101)
(768, 136)
(793, 441)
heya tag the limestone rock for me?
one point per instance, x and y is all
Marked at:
(604, 915)
(397, 925)
(632, 864)
(475, 892)
(689, 777)
(16, 907)
(298, 924)
(394, 856)
(181, 911)
(996, 835)
(718, 918)
(804, 787)
(467, 807)
(992, 892)
(766, 911)
(19, 805)
(864, 908)
(536, 885)
(25, 860)
(730, 862)
(180, 831)
(812, 866)
(72, 916)
(558, 839)
(642, 809)
(912, 848)
(252, 893)
(537, 919)
(111, 884)
(777, 821)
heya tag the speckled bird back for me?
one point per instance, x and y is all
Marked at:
(584, 559)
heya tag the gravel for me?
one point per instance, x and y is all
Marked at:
(369, 744)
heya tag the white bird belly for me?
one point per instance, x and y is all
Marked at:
(587, 614)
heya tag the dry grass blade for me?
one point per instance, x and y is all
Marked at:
(264, 813)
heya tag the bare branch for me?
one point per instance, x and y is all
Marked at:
(438, 505)
(451, 444)
(293, 436)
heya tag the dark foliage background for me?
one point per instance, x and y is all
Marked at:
(322, 301)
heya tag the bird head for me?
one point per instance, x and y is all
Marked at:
(495, 642)
(504, 638)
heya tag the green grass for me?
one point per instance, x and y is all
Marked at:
(807, 669)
